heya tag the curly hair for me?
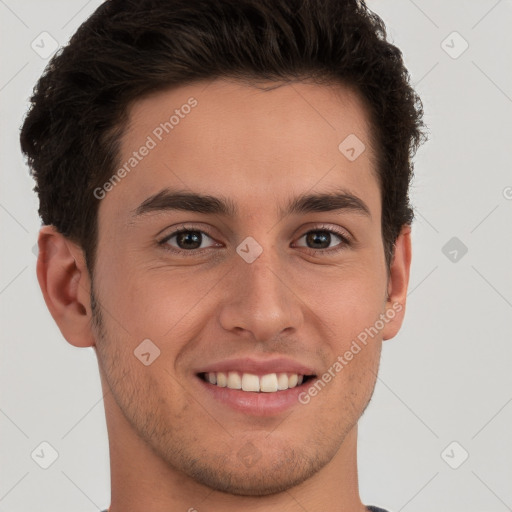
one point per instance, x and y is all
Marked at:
(128, 49)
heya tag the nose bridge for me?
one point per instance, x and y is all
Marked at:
(260, 297)
(263, 283)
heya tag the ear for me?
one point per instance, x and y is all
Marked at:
(65, 283)
(398, 283)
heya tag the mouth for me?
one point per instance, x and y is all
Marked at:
(266, 395)
(255, 386)
(253, 383)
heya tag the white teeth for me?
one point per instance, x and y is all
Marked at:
(250, 382)
(222, 380)
(234, 380)
(282, 381)
(269, 383)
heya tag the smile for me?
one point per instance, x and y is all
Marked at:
(250, 382)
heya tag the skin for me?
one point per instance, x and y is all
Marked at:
(172, 447)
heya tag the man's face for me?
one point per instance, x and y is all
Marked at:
(258, 290)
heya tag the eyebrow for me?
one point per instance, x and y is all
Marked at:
(168, 200)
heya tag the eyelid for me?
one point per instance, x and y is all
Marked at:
(338, 230)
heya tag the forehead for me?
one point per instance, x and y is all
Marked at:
(232, 139)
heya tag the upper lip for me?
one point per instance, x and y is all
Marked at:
(258, 366)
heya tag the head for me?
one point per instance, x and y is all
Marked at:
(248, 104)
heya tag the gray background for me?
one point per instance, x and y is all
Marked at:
(445, 378)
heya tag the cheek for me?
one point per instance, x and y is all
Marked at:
(349, 302)
(167, 306)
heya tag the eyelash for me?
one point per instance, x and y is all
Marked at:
(345, 242)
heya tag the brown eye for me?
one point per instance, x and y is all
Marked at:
(320, 240)
(189, 239)
(186, 240)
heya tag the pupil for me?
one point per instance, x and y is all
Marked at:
(322, 237)
(187, 237)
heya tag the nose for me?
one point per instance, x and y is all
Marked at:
(260, 300)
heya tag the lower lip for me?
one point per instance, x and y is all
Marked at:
(257, 404)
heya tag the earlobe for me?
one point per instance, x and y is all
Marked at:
(398, 283)
(65, 283)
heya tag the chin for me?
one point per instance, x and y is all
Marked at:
(260, 483)
(266, 477)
